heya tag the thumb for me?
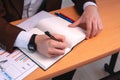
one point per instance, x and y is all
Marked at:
(76, 23)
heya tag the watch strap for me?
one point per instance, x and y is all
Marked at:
(31, 44)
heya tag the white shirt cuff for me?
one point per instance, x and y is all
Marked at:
(22, 39)
(88, 4)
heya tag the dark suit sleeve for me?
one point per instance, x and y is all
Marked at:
(8, 32)
(79, 4)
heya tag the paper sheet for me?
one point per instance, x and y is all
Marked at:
(15, 66)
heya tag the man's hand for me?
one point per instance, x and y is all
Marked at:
(92, 21)
(50, 47)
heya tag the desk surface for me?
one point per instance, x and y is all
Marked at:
(106, 43)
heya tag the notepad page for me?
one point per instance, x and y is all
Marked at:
(33, 21)
(56, 25)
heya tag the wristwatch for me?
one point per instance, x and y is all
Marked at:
(31, 44)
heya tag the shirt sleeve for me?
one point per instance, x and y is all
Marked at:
(88, 4)
(22, 39)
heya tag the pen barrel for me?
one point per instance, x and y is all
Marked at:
(51, 36)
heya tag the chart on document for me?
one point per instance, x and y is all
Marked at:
(15, 66)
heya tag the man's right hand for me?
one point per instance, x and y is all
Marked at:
(50, 47)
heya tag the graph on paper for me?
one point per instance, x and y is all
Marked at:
(15, 66)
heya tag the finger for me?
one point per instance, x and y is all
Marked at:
(89, 28)
(54, 51)
(60, 37)
(94, 28)
(100, 27)
(61, 45)
(58, 45)
(49, 55)
(76, 23)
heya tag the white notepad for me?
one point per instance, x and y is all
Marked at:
(45, 21)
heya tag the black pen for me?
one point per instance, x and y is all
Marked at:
(51, 36)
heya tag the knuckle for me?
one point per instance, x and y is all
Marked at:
(50, 51)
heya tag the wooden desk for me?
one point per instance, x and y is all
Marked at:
(106, 43)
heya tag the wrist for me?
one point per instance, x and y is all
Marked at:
(91, 8)
(32, 45)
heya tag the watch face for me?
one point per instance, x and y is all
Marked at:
(31, 47)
